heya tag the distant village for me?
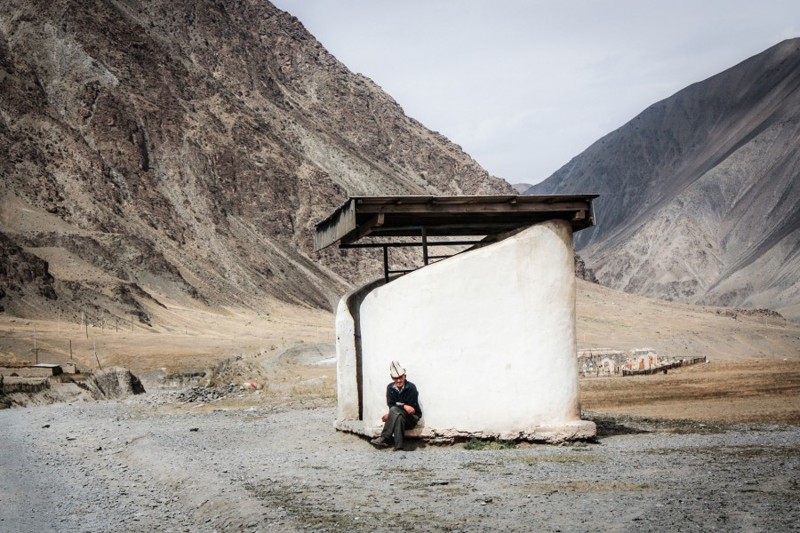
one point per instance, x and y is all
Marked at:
(597, 362)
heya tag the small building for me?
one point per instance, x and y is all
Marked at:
(13, 368)
(28, 370)
(496, 315)
(46, 369)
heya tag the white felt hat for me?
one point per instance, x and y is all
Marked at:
(396, 369)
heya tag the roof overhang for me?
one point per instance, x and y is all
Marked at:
(447, 216)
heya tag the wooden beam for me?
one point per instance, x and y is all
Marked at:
(336, 226)
(463, 209)
(404, 216)
(364, 229)
(408, 244)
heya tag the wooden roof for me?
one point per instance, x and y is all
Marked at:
(414, 216)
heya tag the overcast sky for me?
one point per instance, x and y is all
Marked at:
(524, 86)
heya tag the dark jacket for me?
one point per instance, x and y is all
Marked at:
(408, 396)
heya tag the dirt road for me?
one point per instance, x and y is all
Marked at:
(149, 463)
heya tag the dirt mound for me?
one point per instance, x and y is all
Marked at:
(309, 354)
(114, 382)
(238, 370)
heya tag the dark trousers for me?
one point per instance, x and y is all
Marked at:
(396, 424)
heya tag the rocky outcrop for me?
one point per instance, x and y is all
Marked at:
(20, 273)
(582, 271)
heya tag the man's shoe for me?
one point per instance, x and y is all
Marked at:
(379, 442)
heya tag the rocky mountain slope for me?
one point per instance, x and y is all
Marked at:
(182, 151)
(700, 193)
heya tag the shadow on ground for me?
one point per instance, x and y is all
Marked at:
(609, 425)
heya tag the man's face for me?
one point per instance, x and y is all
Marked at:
(400, 382)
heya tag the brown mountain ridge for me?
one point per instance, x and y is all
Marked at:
(182, 151)
(700, 193)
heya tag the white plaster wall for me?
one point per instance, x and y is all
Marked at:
(346, 384)
(487, 336)
(347, 352)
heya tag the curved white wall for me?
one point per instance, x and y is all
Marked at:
(487, 336)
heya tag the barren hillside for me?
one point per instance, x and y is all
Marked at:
(192, 337)
(179, 153)
(700, 196)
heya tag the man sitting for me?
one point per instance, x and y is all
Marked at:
(402, 399)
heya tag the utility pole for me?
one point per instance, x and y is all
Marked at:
(35, 349)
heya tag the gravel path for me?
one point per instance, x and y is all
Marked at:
(139, 465)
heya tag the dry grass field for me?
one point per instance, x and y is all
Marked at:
(753, 374)
(762, 391)
(181, 338)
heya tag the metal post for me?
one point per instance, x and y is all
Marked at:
(386, 263)
(424, 246)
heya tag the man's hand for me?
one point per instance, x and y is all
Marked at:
(385, 417)
(410, 410)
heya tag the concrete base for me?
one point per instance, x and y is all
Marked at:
(552, 434)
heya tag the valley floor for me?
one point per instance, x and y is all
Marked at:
(130, 466)
(271, 461)
(712, 447)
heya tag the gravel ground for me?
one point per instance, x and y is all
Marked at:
(149, 463)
